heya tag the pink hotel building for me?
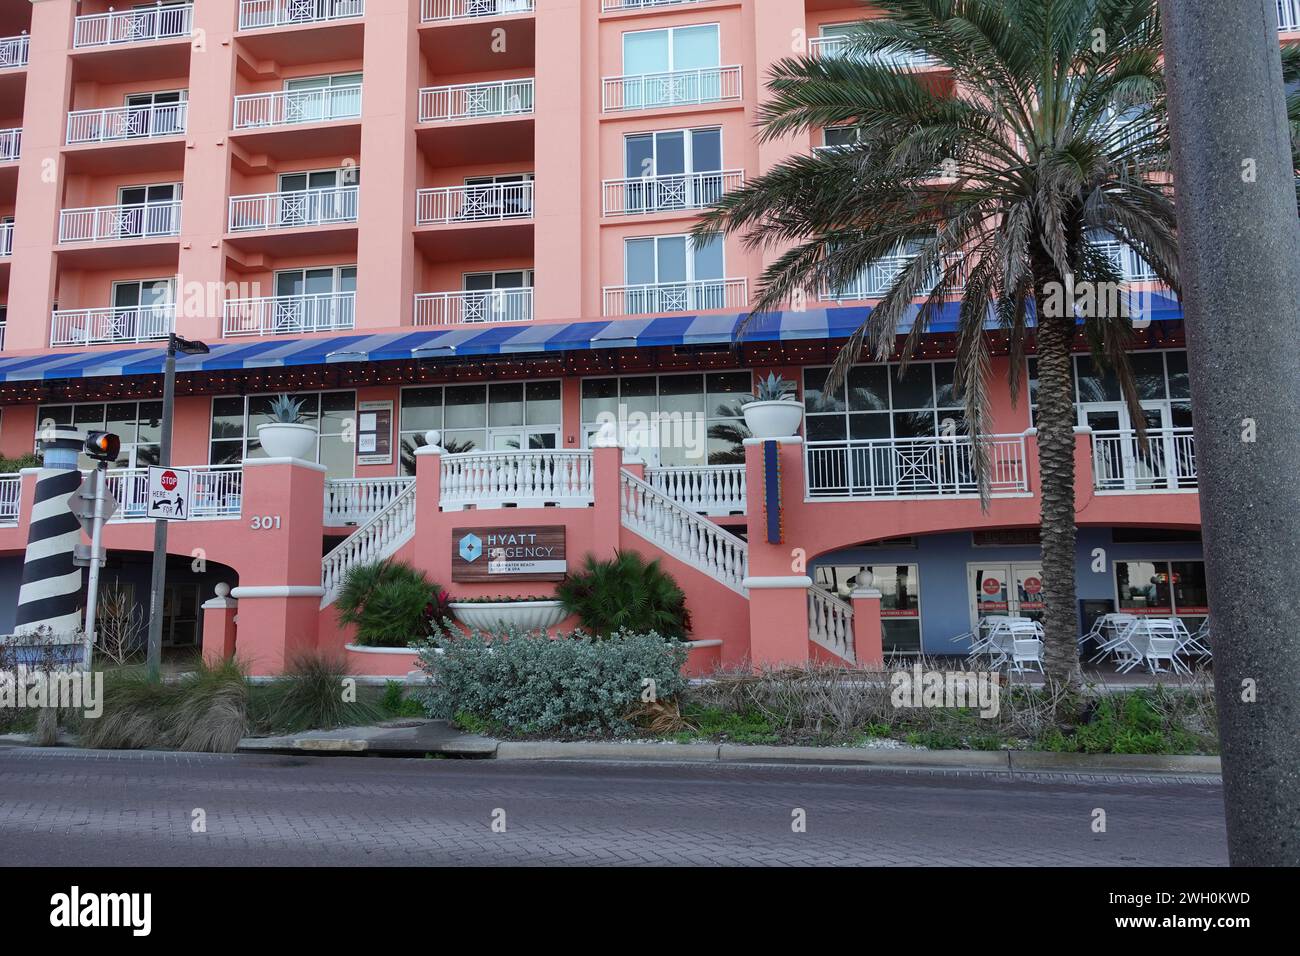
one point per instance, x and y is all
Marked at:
(473, 216)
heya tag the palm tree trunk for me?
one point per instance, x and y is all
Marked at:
(1056, 419)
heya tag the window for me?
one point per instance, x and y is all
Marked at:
(318, 196)
(1163, 589)
(672, 169)
(495, 301)
(143, 307)
(332, 414)
(838, 137)
(900, 601)
(875, 403)
(673, 274)
(689, 419)
(317, 98)
(649, 54)
(320, 298)
(155, 114)
(150, 210)
(1163, 388)
(492, 197)
(137, 424)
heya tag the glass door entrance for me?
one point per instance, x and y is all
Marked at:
(1005, 589)
(1121, 461)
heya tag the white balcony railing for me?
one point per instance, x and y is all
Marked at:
(11, 144)
(11, 497)
(3, 327)
(454, 308)
(105, 326)
(874, 281)
(475, 100)
(903, 467)
(523, 479)
(1126, 260)
(1288, 15)
(357, 500)
(14, 51)
(130, 221)
(291, 107)
(435, 11)
(259, 14)
(716, 490)
(839, 46)
(697, 296)
(1167, 462)
(6, 239)
(217, 491)
(715, 84)
(293, 208)
(141, 23)
(126, 122)
(609, 6)
(646, 194)
(288, 314)
(450, 204)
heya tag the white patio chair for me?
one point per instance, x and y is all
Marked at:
(1162, 649)
(1113, 634)
(1026, 652)
(1130, 648)
(1198, 643)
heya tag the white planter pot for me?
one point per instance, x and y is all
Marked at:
(775, 419)
(524, 615)
(282, 440)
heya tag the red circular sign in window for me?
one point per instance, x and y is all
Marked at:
(992, 585)
(1033, 586)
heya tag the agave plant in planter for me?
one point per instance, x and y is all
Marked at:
(286, 435)
(774, 412)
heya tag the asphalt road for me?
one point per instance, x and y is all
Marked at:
(86, 808)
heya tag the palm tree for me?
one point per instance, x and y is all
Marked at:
(1291, 77)
(1046, 127)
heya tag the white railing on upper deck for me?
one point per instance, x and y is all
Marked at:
(453, 308)
(523, 479)
(291, 107)
(476, 100)
(1167, 462)
(491, 201)
(106, 326)
(698, 296)
(642, 91)
(6, 239)
(258, 14)
(1288, 15)
(141, 23)
(357, 500)
(905, 467)
(288, 314)
(839, 46)
(830, 622)
(11, 144)
(434, 11)
(379, 538)
(14, 51)
(877, 278)
(645, 194)
(1126, 260)
(293, 208)
(11, 497)
(126, 122)
(705, 489)
(609, 6)
(128, 221)
(216, 491)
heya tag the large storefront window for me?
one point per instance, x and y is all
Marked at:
(498, 416)
(900, 603)
(1163, 589)
(332, 414)
(1163, 388)
(691, 419)
(875, 402)
(137, 424)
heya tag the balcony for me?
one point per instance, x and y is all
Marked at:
(13, 51)
(217, 491)
(6, 240)
(290, 314)
(834, 46)
(126, 123)
(649, 194)
(133, 221)
(1126, 261)
(261, 14)
(1120, 462)
(440, 11)
(909, 467)
(643, 91)
(1288, 16)
(697, 296)
(111, 326)
(476, 100)
(294, 107)
(293, 209)
(11, 142)
(463, 204)
(351, 501)
(139, 25)
(488, 306)
(615, 6)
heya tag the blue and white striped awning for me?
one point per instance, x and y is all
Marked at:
(416, 344)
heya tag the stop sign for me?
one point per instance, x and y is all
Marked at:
(168, 480)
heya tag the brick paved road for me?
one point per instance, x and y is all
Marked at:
(92, 808)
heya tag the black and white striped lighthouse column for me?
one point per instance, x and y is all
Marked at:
(51, 591)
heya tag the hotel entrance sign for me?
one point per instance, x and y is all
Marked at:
(508, 553)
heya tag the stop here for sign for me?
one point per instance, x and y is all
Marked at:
(168, 494)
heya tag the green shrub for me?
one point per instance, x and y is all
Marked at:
(311, 695)
(10, 466)
(390, 603)
(626, 593)
(396, 703)
(574, 685)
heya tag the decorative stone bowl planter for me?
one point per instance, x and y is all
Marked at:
(283, 440)
(524, 615)
(779, 418)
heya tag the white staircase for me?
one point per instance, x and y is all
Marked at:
(830, 622)
(682, 533)
(379, 538)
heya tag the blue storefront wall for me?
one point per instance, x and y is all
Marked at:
(942, 560)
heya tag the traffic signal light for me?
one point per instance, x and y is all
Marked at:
(102, 446)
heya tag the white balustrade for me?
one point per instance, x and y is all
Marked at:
(493, 201)
(1126, 260)
(830, 622)
(377, 539)
(11, 494)
(475, 100)
(291, 107)
(288, 314)
(877, 279)
(14, 51)
(1166, 462)
(293, 208)
(216, 491)
(107, 326)
(682, 533)
(705, 489)
(126, 122)
(356, 500)
(640, 91)
(6, 239)
(523, 479)
(128, 221)
(610, 6)
(11, 144)
(645, 194)
(904, 467)
(454, 308)
(698, 296)
(834, 46)
(158, 22)
(1288, 15)
(259, 14)
(435, 11)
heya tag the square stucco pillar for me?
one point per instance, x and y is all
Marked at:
(432, 525)
(868, 635)
(219, 634)
(606, 463)
(280, 584)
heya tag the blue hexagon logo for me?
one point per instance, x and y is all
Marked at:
(471, 547)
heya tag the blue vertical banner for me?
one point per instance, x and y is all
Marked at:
(772, 492)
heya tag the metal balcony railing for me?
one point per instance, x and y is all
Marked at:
(217, 491)
(14, 51)
(130, 221)
(11, 142)
(106, 326)
(435, 11)
(11, 497)
(474, 100)
(1288, 15)
(126, 122)
(874, 281)
(454, 308)
(290, 107)
(1126, 260)
(6, 239)
(646, 194)
(453, 204)
(904, 467)
(1167, 462)
(158, 22)
(839, 46)
(288, 314)
(259, 14)
(697, 296)
(643, 91)
(609, 6)
(294, 208)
